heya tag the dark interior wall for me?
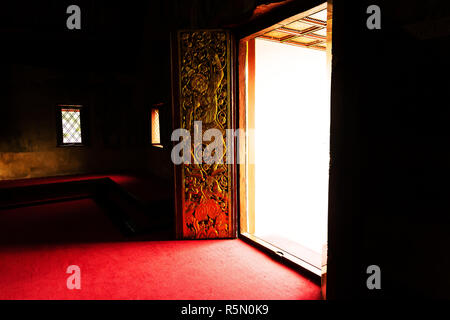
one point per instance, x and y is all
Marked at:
(118, 65)
(390, 167)
(46, 64)
(29, 146)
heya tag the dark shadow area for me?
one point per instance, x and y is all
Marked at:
(93, 210)
(389, 181)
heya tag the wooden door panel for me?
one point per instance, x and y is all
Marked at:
(202, 68)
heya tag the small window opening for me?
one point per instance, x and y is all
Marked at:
(71, 125)
(155, 127)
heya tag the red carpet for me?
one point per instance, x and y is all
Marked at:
(38, 243)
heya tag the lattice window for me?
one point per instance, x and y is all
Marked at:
(71, 125)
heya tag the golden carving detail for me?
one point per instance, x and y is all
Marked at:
(204, 96)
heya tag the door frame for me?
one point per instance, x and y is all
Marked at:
(244, 33)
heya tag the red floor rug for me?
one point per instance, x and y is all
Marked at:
(38, 243)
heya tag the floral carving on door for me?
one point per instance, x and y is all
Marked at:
(204, 96)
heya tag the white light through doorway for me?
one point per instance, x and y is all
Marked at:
(292, 119)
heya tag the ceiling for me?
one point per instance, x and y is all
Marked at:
(309, 32)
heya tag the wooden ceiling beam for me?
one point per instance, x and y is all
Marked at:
(309, 33)
(314, 22)
(297, 32)
(289, 36)
(298, 44)
(314, 43)
(315, 47)
(315, 25)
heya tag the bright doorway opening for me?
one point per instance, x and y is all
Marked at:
(287, 163)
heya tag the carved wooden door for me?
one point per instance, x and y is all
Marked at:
(202, 69)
